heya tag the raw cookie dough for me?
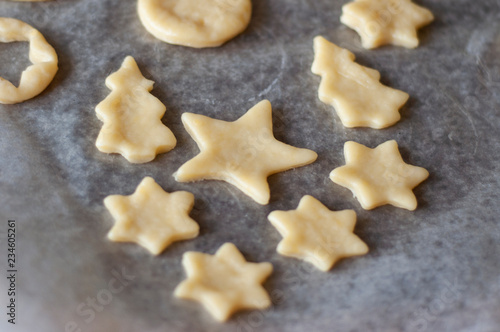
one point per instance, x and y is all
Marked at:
(152, 217)
(224, 282)
(243, 153)
(317, 235)
(353, 90)
(36, 77)
(379, 176)
(381, 22)
(132, 117)
(194, 23)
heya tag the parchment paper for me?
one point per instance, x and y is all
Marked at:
(435, 269)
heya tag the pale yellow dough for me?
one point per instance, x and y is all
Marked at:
(132, 117)
(224, 282)
(381, 22)
(379, 176)
(36, 77)
(355, 92)
(194, 23)
(152, 217)
(243, 153)
(317, 235)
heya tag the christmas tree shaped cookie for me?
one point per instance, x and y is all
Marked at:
(132, 117)
(353, 90)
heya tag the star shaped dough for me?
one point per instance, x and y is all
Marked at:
(132, 117)
(243, 153)
(224, 282)
(355, 92)
(381, 22)
(152, 217)
(317, 235)
(379, 176)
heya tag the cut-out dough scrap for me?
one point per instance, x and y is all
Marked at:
(381, 22)
(194, 23)
(152, 217)
(243, 153)
(43, 57)
(355, 92)
(317, 235)
(379, 176)
(132, 117)
(225, 282)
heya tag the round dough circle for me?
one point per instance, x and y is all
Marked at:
(195, 23)
(43, 56)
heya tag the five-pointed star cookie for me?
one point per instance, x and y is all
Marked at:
(152, 217)
(132, 117)
(355, 92)
(381, 22)
(224, 282)
(379, 176)
(317, 235)
(243, 153)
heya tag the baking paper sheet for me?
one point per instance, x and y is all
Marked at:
(435, 269)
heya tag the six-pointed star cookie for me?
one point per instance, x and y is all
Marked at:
(379, 176)
(243, 153)
(381, 22)
(355, 92)
(224, 282)
(152, 217)
(317, 235)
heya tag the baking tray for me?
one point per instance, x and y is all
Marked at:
(435, 269)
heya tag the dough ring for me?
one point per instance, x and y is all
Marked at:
(43, 56)
(195, 23)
